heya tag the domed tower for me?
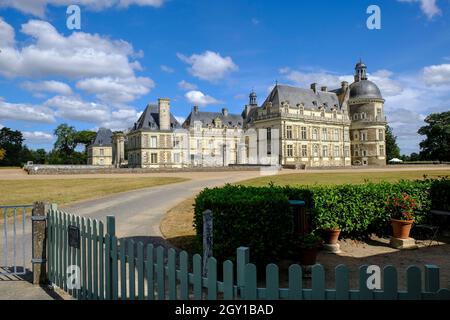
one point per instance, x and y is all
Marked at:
(368, 123)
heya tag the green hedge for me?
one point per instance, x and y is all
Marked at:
(261, 218)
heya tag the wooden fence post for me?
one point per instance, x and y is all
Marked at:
(39, 242)
(243, 258)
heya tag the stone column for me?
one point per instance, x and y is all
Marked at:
(39, 242)
(118, 149)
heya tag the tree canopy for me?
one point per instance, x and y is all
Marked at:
(392, 149)
(436, 145)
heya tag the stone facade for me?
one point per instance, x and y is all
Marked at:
(294, 127)
(100, 152)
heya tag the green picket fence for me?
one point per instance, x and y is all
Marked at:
(122, 269)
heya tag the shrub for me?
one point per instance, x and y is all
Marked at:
(440, 194)
(259, 218)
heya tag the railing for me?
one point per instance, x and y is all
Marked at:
(115, 269)
(11, 222)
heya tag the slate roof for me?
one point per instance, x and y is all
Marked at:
(294, 95)
(365, 89)
(207, 118)
(149, 120)
(103, 137)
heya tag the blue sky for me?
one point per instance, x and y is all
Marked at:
(212, 53)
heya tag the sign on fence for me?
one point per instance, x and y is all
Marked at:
(207, 238)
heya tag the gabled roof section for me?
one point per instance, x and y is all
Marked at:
(307, 97)
(207, 118)
(149, 119)
(103, 137)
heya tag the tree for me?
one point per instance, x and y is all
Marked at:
(436, 146)
(392, 149)
(12, 142)
(85, 137)
(40, 156)
(65, 140)
(2, 154)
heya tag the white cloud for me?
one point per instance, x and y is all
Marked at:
(437, 74)
(25, 112)
(38, 7)
(428, 7)
(209, 65)
(180, 119)
(7, 34)
(47, 86)
(167, 69)
(37, 137)
(79, 55)
(184, 85)
(199, 98)
(117, 90)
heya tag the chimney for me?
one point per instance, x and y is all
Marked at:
(195, 109)
(314, 87)
(324, 89)
(225, 112)
(164, 113)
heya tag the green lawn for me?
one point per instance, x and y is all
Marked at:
(64, 191)
(331, 178)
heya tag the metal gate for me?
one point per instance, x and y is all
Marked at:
(15, 240)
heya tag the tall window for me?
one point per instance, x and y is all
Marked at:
(290, 151)
(346, 152)
(176, 158)
(363, 136)
(380, 134)
(102, 152)
(381, 150)
(325, 151)
(303, 132)
(324, 134)
(304, 151)
(315, 150)
(336, 134)
(346, 135)
(315, 134)
(336, 151)
(153, 141)
(288, 132)
(154, 158)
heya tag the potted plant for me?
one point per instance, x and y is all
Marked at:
(331, 231)
(309, 246)
(401, 209)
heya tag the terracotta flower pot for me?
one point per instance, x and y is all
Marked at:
(401, 228)
(308, 256)
(331, 236)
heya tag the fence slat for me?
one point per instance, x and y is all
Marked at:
(101, 256)
(318, 282)
(95, 258)
(390, 283)
(197, 269)
(342, 284)
(89, 257)
(73, 222)
(272, 282)
(69, 252)
(228, 280)
(78, 253)
(242, 258)
(150, 273)
(295, 282)
(250, 287)
(123, 269)
(160, 273)
(212, 278)
(51, 245)
(65, 250)
(364, 292)
(172, 274)
(184, 275)
(432, 278)
(114, 271)
(108, 291)
(414, 281)
(84, 259)
(140, 270)
(59, 245)
(131, 270)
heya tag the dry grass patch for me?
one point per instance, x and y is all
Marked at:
(65, 191)
(333, 178)
(177, 228)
